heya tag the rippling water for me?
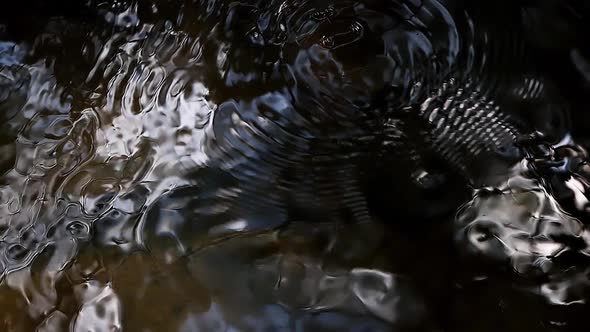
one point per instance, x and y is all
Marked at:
(294, 165)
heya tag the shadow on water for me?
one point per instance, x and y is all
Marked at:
(294, 165)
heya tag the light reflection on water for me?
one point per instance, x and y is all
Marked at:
(287, 166)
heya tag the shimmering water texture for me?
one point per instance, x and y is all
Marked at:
(291, 165)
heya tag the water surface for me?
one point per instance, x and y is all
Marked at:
(294, 165)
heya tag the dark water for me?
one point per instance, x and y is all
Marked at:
(210, 165)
